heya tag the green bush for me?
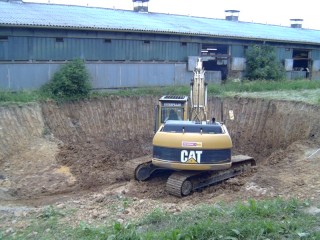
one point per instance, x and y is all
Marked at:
(262, 63)
(70, 82)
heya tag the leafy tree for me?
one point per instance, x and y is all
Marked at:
(70, 82)
(262, 63)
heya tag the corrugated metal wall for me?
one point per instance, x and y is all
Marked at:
(237, 51)
(60, 49)
(15, 76)
(283, 53)
(315, 54)
(31, 56)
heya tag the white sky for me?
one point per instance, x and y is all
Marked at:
(277, 12)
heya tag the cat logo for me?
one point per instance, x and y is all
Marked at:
(191, 156)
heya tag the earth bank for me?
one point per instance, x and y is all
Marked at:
(73, 154)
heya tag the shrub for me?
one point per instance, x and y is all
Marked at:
(70, 82)
(262, 63)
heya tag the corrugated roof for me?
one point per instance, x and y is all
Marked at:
(79, 17)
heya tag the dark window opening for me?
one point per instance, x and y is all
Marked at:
(183, 44)
(300, 54)
(107, 40)
(217, 59)
(217, 65)
(301, 61)
(59, 39)
(214, 49)
(3, 38)
(146, 41)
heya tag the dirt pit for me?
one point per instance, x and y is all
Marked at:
(77, 162)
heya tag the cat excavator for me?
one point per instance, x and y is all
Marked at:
(186, 141)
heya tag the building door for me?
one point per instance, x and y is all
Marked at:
(301, 63)
(215, 58)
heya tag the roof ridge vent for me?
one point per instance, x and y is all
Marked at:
(140, 6)
(296, 22)
(232, 15)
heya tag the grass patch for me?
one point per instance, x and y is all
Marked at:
(301, 90)
(144, 91)
(19, 97)
(265, 86)
(308, 96)
(268, 219)
(277, 219)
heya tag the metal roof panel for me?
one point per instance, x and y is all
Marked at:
(80, 17)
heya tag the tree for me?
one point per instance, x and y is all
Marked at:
(70, 82)
(262, 63)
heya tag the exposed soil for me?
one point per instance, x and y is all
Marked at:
(74, 166)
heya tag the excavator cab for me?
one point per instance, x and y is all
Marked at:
(171, 108)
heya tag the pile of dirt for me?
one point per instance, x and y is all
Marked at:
(291, 172)
(92, 163)
(97, 162)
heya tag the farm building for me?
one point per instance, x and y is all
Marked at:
(135, 48)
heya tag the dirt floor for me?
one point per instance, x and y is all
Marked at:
(86, 176)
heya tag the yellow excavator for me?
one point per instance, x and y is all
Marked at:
(186, 141)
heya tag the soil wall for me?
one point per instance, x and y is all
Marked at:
(19, 126)
(51, 148)
(260, 126)
(114, 119)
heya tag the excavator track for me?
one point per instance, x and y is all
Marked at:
(139, 168)
(184, 182)
(178, 183)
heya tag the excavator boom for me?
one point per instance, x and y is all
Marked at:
(198, 94)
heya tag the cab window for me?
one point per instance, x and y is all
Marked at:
(171, 113)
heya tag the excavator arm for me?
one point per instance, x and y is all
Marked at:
(198, 94)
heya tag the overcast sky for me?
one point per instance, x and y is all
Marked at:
(277, 12)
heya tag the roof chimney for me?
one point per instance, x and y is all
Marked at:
(140, 5)
(232, 15)
(296, 22)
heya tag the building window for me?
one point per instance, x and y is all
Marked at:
(107, 40)
(59, 39)
(213, 49)
(183, 44)
(146, 41)
(3, 38)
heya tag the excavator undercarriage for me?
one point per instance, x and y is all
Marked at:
(183, 183)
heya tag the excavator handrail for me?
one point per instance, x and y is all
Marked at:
(192, 127)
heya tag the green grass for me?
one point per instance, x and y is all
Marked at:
(300, 90)
(268, 219)
(262, 86)
(19, 97)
